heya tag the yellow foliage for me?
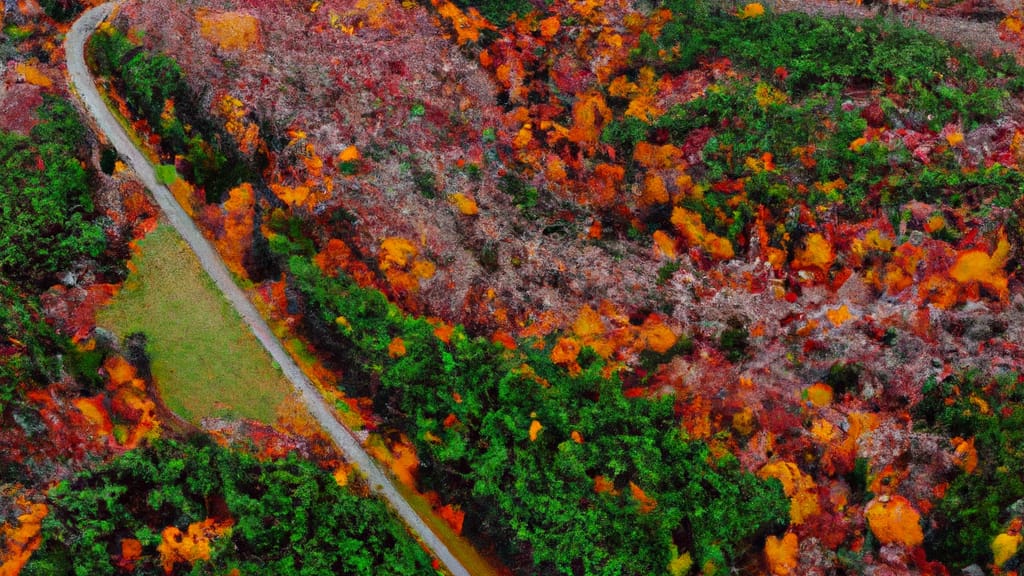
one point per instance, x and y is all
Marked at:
(654, 191)
(236, 31)
(590, 115)
(692, 229)
(523, 138)
(32, 75)
(743, 422)
(816, 253)
(465, 204)
(986, 270)
(314, 164)
(590, 330)
(555, 169)
(895, 522)
(119, 370)
(238, 221)
(681, 565)
(94, 412)
(535, 428)
(873, 240)
(565, 351)
(654, 156)
(643, 108)
(799, 487)
(233, 111)
(341, 475)
(666, 245)
(644, 105)
(839, 316)
(823, 430)
(955, 138)
(935, 223)
(396, 253)
(965, 455)
(1012, 24)
(757, 165)
(467, 25)
(752, 10)
(767, 95)
(22, 540)
(859, 424)
(183, 193)
(193, 544)
(291, 196)
(1005, 546)
(403, 268)
(785, 472)
(819, 394)
(423, 269)
(655, 336)
(982, 405)
(588, 323)
(857, 144)
(135, 397)
(621, 87)
(781, 553)
(350, 154)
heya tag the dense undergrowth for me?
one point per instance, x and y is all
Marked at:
(562, 466)
(46, 211)
(47, 224)
(86, 486)
(178, 502)
(822, 148)
(985, 495)
(153, 87)
(795, 103)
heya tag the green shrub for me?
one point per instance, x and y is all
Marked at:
(108, 160)
(975, 508)
(539, 495)
(734, 341)
(45, 202)
(289, 516)
(35, 351)
(148, 81)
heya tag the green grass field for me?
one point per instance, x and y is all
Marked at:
(204, 359)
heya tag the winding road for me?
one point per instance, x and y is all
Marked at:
(84, 87)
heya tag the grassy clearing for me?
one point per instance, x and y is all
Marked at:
(204, 359)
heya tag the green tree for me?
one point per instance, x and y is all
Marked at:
(45, 201)
(289, 516)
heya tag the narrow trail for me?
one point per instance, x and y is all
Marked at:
(84, 87)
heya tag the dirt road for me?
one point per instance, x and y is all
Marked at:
(84, 85)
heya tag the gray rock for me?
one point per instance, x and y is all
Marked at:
(1016, 509)
(972, 570)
